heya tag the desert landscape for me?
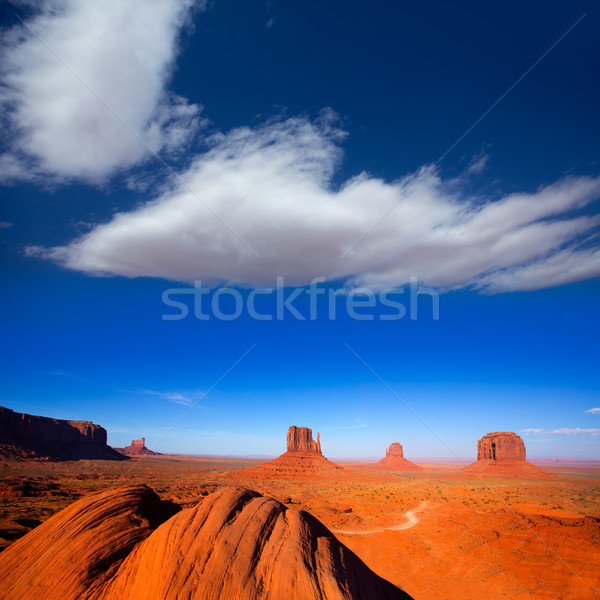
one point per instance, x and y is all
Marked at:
(435, 529)
(299, 300)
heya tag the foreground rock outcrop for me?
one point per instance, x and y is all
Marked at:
(24, 436)
(138, 447)
(394, 460)
(502, 453)
(303, 459)
(125, 544)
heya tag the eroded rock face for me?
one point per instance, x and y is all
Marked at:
(235, 543)
(501, 445)
(299, 439)
(395, 449)
(25, 436)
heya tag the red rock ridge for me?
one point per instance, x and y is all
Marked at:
(24, 436)
(235, 543)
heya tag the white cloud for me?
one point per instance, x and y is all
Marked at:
(123, 52)
(5, 224)
(593, 411)
(272, 187)
(569, 431)
(533, 430)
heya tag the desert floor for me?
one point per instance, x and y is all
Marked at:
(462, 538)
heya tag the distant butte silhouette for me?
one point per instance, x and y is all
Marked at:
(138, 447)
(394, 460)
(303, 459)
(502, 453)
(127, 544)
(24, 437)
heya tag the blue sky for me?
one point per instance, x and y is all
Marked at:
(148, 146)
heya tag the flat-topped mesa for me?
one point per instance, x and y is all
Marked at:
(395, 449)
(24, 436)
(300, 439)
(501, 445)
(502, 454)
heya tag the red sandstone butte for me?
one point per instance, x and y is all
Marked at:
(127, 544)
(137, 447)
(24, 437)
(303, 458)
(394, 460)
(502, 453)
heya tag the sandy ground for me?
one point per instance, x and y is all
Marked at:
(435, 533)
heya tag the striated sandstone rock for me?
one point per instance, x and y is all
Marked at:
(234, 544)
(502, 454)
(501, 445)
(76, 551)
(302, 459)
(24, 436)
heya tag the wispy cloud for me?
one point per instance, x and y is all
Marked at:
(477, 164)
(5, 224)
(185, 399)
(593, 411)
(568, 431)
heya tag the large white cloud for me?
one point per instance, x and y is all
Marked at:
(83, 87)
(260, 204)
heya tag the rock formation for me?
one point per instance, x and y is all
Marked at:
(24, 436)
(125, 544)
(303, 458)
(501, 445)
(394, 460)
(137, 447)
(299, 439)
(502, 453)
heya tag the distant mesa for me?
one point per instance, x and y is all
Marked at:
(138, 447)
(125, 543)
(502, 453)
(303, 458)
(394, 460)
(24, 437)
